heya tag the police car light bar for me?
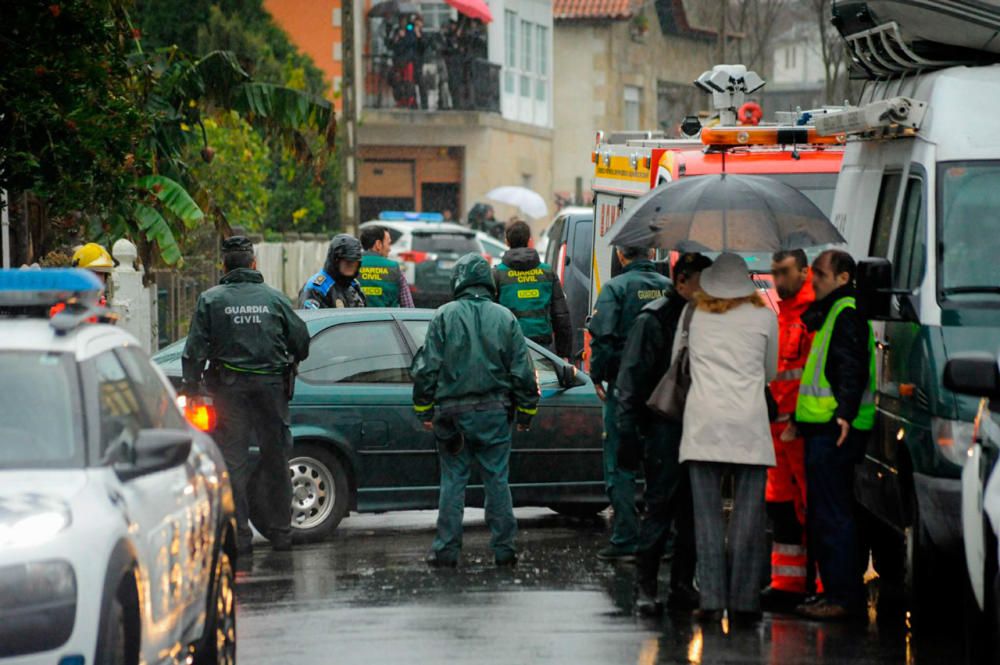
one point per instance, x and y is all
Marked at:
(46, 287)
(400, 216)
(898, 112)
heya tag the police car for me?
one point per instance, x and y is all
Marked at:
(116, 517)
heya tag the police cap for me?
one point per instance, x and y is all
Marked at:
(237, 244)
(690, 263)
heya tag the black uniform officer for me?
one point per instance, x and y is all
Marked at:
(251, 338)
(336, 285)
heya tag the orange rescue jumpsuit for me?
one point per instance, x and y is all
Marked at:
(786, 482)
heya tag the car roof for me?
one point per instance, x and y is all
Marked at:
(37, 334)
(321, 318)
(575, 210)
(441, 227)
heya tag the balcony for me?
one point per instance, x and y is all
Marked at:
(474, 85)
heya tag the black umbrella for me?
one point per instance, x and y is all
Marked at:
(724, 213)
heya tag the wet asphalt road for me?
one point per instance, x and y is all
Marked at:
(367, 597)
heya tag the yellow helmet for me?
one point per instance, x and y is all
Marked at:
(93, 257)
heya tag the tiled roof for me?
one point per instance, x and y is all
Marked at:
(591, 9)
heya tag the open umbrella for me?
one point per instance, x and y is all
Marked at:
(473, 9)
(724, 213)
(390, 8)
(530, 203)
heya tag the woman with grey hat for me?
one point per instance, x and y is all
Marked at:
(733, 351)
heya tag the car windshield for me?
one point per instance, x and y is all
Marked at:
(818, 187)
(445, 243)
(968, 198)
(40, 422)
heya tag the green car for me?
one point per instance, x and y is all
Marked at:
(358, 446)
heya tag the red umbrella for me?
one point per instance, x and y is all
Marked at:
(472, 9)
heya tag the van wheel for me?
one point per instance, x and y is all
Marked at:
(320, 494)
(218, 644)
(926, 580)
(982, 639)
(112, 650)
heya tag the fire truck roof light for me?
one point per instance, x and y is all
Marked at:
(409, 216)
(48, 286)
(767, 136)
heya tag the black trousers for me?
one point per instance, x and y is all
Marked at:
(253, 411)
(668, 508)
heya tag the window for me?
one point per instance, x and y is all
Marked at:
(542, 84)
(555, 242)
(436, 15)
(908, 259)
(583, 242)
(39, 406)
(417, 330)
(494, 249)
(356, 353)
(510, 56)
(121, 414)
(882, 229)
(968, 198)
(527, 60)
(445, 243)
(790, 54)
(160, 408)
(545, 369)
(633, 108)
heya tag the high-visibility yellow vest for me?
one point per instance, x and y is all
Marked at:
(816, 402)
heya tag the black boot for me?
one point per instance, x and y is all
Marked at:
(683, 597)
(647, 603)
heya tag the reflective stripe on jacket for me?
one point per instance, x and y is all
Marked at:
(817, 403)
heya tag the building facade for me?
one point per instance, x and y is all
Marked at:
(621, 65)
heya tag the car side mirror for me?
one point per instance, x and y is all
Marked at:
(976, 374)
(875, 293)
(569, 376)
(155, 450)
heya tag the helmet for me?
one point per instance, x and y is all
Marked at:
(343, 247)
(93, 257)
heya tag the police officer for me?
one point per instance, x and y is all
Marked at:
(618, 303)
(470, 378)
(531, 290)
(654, 442)
(336, 285)
(381, 279)
(251, 338)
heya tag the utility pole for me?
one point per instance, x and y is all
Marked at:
(349, 118)
(723, 32)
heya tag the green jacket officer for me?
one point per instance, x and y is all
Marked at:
(617, 307)
(250, 337)
(381, 279)
(472, 373)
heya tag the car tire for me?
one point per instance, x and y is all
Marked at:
(321, 494)
(980, 626)
(113, 649)
(218, 644)
(579, 510)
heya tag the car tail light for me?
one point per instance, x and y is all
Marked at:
(561, 268)
(414, 256)
(199, 411)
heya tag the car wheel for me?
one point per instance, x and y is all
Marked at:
(320, 494)
(218, 645)
(113, 649)
(582, 510)
(981, 639)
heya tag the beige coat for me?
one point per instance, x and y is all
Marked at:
(733, 356)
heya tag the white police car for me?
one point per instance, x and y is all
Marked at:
(116, 517)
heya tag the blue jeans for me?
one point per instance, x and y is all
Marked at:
(487, 442)
(619, 483)
(833, 538)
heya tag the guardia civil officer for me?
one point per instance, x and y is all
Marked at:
(471, 378)
(654, 442)
(251, 339)
(618, 303)
(381, 279)
(531, 290)
(336, 285)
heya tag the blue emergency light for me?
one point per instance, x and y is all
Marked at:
(46, 287)
(401, 216)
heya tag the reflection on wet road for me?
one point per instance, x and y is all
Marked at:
(367, 597)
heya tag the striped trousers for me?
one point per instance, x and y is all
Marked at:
(731, 566)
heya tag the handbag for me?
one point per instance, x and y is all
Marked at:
(668, 398)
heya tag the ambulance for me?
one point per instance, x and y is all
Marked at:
(791, 152)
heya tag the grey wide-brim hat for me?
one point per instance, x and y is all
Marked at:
(728, 277)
